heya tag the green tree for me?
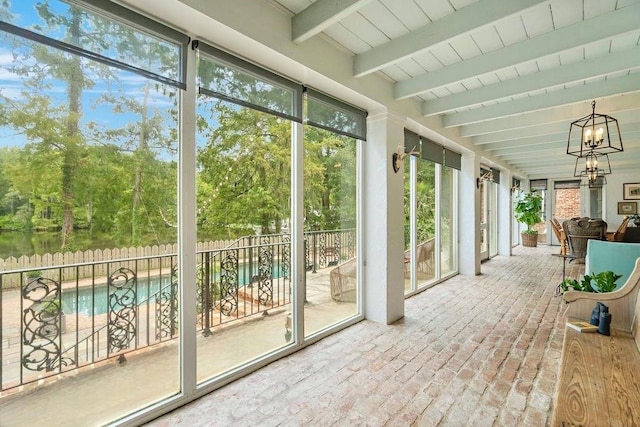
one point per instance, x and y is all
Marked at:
(149, 134)
(54, 124)
(244, 171)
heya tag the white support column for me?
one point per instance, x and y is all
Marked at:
(505, 214)
(383, 220)
(469, 216)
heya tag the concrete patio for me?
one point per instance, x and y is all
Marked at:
(99, 392)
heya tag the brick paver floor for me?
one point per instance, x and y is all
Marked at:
(472, 351)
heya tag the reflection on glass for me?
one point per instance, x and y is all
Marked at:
(244, 252)
(407, 224)
(330, 229)
(447, 218)
(493, 219)
(484, 219)
(425, 222)
(91, 148)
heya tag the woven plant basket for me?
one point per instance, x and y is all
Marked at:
(529, 240)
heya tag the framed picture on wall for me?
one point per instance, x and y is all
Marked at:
(631, 191)
(627, 208)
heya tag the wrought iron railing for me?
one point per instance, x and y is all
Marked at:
(58, 321)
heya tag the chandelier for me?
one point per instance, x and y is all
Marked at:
(596, 166)
(594, 133)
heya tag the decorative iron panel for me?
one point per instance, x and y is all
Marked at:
(229, 282)
(307, 261)
(351, 244)
(167, 308)
(43, 323)
(265, 271)
(323, 249)
(337, 246)
(286, 258)
(122, 309)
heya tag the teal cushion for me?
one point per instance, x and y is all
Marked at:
(618, 257)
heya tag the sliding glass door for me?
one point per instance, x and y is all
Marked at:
(430, 227)
(189, 227)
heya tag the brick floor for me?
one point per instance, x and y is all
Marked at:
(477, 351)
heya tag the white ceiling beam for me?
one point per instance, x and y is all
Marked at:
(545, 162)
(522, 150)
(320, 15)
(577, 71)
(630, 101)
(629, 121)
(456, 24)
(629, 133)
(554, 171)
(541, 157)
(534, 140)
(519, 134)
(551, 152)
(616, 86)
(582, 33)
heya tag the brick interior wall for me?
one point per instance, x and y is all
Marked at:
(567, 203)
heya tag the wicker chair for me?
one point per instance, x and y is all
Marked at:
(618, 236)
(579, 231)
(425, 258)
(559, 232)
(343, 281)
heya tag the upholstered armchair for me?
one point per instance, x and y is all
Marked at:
(580, 230)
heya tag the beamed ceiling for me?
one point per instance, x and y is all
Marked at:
(509, 75)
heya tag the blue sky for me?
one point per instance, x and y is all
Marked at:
(129, 85)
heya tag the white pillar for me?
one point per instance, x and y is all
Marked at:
(469, 216)
(383, 213)
(505, 213)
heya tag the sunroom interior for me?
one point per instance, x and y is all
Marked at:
(400, 131)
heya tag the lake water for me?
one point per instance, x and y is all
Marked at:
(19, 243)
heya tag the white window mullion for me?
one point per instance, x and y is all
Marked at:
(413, 219)
(298, 262)
(187, 233)
(438, 220)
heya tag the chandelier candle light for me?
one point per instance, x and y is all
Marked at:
(594, 133)
(593, 168)
(592, 137)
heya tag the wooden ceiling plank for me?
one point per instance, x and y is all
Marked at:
(627, 84)
(629, 121)
(586, 69)
(582, 33)
(450, 26)
(320, 15)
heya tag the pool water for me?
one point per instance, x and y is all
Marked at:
(96, 299)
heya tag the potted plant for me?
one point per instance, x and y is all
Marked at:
(605, 281)
(528, 210)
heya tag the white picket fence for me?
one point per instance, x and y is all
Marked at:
(95, 263)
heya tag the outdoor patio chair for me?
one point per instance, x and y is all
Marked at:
(579, 231)
(343, 281)
(424, 258)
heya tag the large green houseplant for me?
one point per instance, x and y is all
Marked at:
(528, 210)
